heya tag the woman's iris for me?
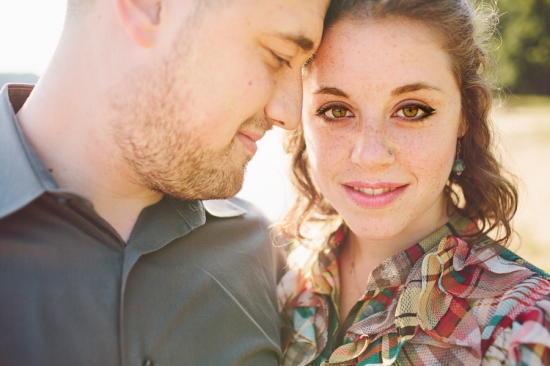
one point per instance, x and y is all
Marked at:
(410, 111)
(339, 112)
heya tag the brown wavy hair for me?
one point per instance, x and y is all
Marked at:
(484, 191)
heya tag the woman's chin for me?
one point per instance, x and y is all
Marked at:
(374, 231)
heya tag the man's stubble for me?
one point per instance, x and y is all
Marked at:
(158, 141)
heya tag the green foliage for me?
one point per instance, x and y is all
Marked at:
(524, 55)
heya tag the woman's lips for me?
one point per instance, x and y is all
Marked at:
(374, 196)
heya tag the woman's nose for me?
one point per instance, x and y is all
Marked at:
(372, 147)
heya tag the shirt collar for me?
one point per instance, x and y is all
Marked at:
(391, 272)
(24, 177)
(223, 208)
(394, 271)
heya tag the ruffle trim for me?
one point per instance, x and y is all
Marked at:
(440, 298)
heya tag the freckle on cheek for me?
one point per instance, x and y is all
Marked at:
(250, 83)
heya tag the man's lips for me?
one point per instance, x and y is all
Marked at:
(253, 135)
(249, 138)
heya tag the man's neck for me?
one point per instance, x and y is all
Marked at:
(76, 147)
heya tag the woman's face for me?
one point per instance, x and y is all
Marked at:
(381, 119)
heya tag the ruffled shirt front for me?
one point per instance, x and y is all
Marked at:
(437, 303)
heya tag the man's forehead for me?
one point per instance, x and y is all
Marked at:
(300, 21)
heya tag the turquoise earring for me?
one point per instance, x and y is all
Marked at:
(458, 165)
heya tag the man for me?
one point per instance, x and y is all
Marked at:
(108, 256)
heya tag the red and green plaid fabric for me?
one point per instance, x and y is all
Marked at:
(438, 302)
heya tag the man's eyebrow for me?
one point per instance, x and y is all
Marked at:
(304, 43)
(331, 91)
(413, 87)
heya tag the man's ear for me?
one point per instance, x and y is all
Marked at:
(140, 19)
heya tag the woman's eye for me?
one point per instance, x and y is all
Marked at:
(335, 112)
(338, 112)
(415, 111)
(411, 111)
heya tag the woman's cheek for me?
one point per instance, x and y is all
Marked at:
(324, 155)
(433, 165)
(316, 143)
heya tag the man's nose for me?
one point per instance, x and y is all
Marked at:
(285, 109)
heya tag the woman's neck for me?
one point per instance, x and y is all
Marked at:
(361, 255)
(374, 249)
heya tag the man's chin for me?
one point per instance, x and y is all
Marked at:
(209, 187)
(224, 190)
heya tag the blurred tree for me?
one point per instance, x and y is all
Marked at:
(524, 55)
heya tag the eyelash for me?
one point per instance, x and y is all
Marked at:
(321, 112)
(281, 60)
(428, 111)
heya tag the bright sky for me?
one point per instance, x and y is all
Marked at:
(29, 31)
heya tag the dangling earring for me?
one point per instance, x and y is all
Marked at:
(458, 165)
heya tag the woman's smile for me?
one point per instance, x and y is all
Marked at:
(379, 195)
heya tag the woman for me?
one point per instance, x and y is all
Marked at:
(399, 190)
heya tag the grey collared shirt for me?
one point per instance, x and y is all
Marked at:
(194, 284)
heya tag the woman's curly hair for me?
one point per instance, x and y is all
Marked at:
(485, 191)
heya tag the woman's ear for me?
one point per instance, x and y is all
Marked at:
(141, 19)
(462, 129)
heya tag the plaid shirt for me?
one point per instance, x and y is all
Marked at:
(438, 302)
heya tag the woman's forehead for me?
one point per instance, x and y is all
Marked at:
(375, 52)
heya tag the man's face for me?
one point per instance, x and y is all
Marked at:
(187, 123)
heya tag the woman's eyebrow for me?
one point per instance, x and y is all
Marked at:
(413, 87)
(331, 91)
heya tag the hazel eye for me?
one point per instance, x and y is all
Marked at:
(411, 111)
(334, 112)
(414, 111)
(338, 112)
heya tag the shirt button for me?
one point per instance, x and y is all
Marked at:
(61, 200)
(388, 273)
(368, 311)
(194, 206)
(148, 362)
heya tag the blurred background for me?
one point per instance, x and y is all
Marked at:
(30, 30)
